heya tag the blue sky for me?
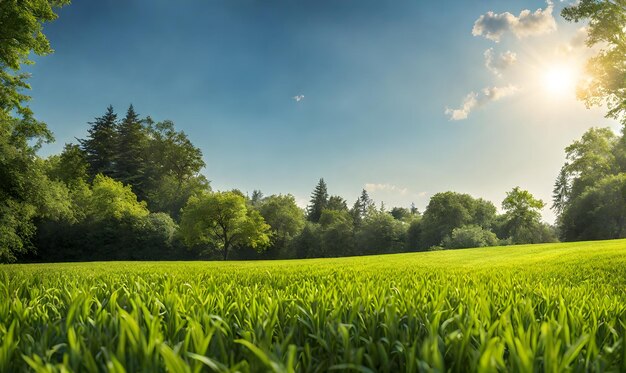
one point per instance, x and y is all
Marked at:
(376, 76)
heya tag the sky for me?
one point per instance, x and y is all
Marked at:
(403, 98)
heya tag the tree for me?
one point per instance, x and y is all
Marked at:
(223, 221)
(469, 236)
(26, 192)
(522, 218)
(284, 217)
(380, 233)
(363, 205)
(69, 167)
(599, 213)
(170, 153)
(100, 145)
(561, 191)
(606, 20)
(170, 195)
(400, 213)
(414, 234)
(319, 201)
(257, 198)
(111, 199)
(21, 33)
(337, 233)
(130, 152)
(337, 203)
(450, 210)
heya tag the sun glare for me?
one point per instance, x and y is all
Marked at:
(560, 80)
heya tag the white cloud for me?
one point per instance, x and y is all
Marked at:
(475, 100)
(372, 188)
(498, 63)
(493, 25)
(298, 98)
(469, 102)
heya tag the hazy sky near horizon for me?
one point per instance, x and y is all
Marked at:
(403, 98)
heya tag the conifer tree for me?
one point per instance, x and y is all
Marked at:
(99, 146)
(130, 152)
(319, 201)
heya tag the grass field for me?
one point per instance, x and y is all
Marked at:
(550, 308)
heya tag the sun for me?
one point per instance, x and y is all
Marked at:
(560, 80)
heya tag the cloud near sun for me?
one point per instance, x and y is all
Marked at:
(494, 26)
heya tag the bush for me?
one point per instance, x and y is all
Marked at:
(469, 236)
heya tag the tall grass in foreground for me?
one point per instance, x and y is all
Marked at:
(543, 307)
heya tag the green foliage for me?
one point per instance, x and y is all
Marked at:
(337, 234)
(21, 33)
(319, 201)
(112, 199)
(522, 218)
(25, 191)
(381, 233)
(69, 167)
(599, 213)
(284, 217)
(469, 236)
(223, 221)
(414, 234)
(549, 308)
(450, 210)
(100, 145)
(130, 152)
(605, 28)
(337, 203)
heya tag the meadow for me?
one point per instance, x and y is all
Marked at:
(548, 307)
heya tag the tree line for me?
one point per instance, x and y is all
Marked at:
(132, 189)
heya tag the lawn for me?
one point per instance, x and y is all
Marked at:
(550, 307)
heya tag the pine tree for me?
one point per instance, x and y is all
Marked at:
(319, 201)
(99, 146)
(366, 203)
(131, 144)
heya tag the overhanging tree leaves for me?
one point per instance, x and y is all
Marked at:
(21, 33)
(608, 68)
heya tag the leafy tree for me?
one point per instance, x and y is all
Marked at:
(170, 153)
(130, 154)
(285, 218)
(337, 233)
(590, 159)
(414, 234)
(100, 145)
(21, 33)
(522, 218)
(400, 213)
(380, 233)
(170, 195)
(69, 167)
(469, 236)
(308, 244)
(319, 201)
(450, 210)
(111, 199)
(26, 192)
(606, 20)
(337, 203)
(598, 213)
(223, 221)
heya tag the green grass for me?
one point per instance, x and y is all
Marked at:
(551, 308)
